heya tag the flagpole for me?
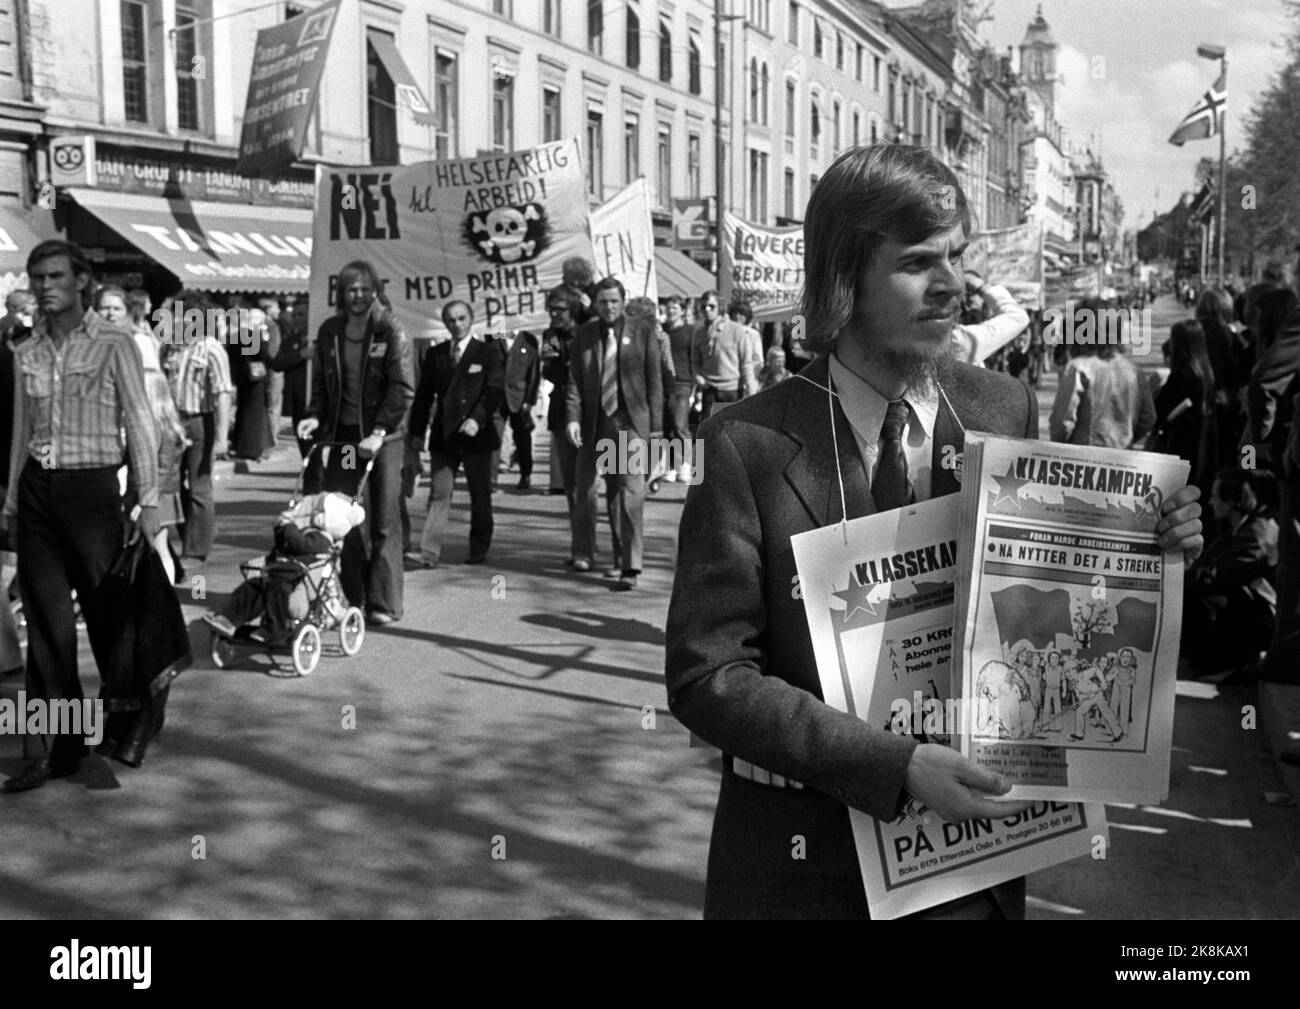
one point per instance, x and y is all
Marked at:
(1223, 167)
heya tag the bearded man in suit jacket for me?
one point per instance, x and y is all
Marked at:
(614, 404)
(884, 234)
(461, 383)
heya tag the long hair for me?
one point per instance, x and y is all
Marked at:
(359, 269)
(1187, 350)
(870, 195)
(163, 407)
(1215, 304)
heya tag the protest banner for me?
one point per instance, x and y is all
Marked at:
(1011, 258)
(288, 61)
(622, 238)
(491, 231)
(763, 266)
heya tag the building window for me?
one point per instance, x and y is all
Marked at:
(135, 67)
(726, 87)
(875, 131)
(631, 148)
(506, 8)
(790, 99)
(816, 130)
(550, 115)
(758, 187)
(665, 179)
(595, 27)
(381, 106)
(693, 165)
(187, 63)
(907, 105)
(837, 111)
(765, 95)
(753, 90)
(789, 193)
(665, 51)
(551, 17)
(503, 112)
(819, 43)
(893, 104)
(857, 127)
(633, 38)
(812, 184)
(693, 62)
(792, 24)
(595, 154)
(875, 73)
(859, 62)
(444, 105)
(839, 52)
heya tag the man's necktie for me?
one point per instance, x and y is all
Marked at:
(891, 488)
(455, 353)
(609, 375)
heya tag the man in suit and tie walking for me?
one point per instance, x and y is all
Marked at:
(614, 405)
(461, 385)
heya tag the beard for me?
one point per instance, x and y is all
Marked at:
(924, 369)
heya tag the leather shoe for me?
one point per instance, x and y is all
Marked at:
(130, 750)
(578, 564)
(475, 559)
(625, 584)
(38, 772)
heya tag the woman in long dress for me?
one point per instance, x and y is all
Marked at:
(250, 365)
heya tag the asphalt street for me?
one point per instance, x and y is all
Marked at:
(505, 751)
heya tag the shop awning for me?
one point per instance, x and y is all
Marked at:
(20, 232)
(228, 247)
(677, 273)
(407, 91)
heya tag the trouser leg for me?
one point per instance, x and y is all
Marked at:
(478, 475)
(383, 518)
(442, 479)
(196, 489)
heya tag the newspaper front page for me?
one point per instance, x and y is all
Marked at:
(1070, 615)
(878, 592)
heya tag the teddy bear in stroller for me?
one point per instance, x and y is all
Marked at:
(294, 593)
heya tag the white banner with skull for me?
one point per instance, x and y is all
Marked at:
(491, 231)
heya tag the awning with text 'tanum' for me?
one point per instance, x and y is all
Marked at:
(226, 247)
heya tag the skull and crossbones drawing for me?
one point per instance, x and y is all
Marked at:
(506, 228)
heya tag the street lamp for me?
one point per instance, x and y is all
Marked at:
(719, 169)
(1211, 51)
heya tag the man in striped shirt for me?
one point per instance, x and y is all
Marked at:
(79, 385)
(198, 366)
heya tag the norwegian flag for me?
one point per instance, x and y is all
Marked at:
(1206, 119)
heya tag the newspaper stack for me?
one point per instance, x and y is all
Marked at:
(1070, 616)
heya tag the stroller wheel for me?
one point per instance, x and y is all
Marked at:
(222, 650)
(306, 649)
(352, 631)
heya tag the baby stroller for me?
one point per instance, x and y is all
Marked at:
(302, 594)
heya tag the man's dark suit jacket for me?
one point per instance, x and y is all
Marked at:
(640, 376)
(523, 372)
(740, 665)
(472, 389)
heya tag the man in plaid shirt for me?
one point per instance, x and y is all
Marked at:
(79, 385)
